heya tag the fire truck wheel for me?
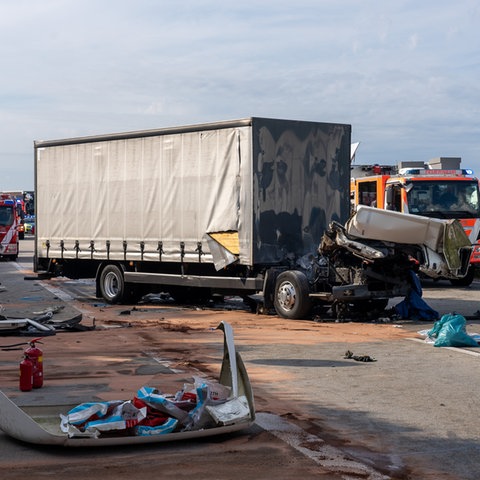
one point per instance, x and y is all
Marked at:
(291, 295)
(112, 284)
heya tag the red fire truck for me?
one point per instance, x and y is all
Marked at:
(9, 221)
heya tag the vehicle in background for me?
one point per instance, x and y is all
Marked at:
(24, 198)
(29, 201)
(9, 221)
(25, 204)
(436, 189)
(21, 229)
(29, 224)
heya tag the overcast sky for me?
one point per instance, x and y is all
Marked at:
(405, 74)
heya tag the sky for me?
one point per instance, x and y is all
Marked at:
(405, 74)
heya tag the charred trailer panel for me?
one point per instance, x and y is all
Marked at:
(214, 208)
(300, 184)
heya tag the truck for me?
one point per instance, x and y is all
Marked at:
(25, 204)
(253, 207)
(438, 188)
(9, 223)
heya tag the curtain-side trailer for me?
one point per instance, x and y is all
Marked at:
(224, 207)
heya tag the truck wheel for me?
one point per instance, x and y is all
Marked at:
(112, 284)
(291, 295)
(466, 280)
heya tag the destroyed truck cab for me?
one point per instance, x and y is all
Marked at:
(369, 260)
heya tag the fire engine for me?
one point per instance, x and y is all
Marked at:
(436, 189)
(9, 220)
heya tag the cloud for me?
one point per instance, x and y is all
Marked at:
(402, 73)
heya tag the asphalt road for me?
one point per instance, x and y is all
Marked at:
(412, 414)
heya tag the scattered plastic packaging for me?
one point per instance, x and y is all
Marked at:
(202, 404)
(168, 427)
(450, 331)
(231, 411)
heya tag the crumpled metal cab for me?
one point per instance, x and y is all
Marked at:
(445, 245)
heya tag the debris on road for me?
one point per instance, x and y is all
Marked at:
(54, 309)
(359, 358)
(43, 323)
(200, 405)
(450, 331)
(413, 307)
(200, 409)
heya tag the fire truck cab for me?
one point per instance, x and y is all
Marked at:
(436, 189)
(9, 220)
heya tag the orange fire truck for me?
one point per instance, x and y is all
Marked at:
(436, 189)
(9, 220)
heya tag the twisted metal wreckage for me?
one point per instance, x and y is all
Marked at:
(378, 254)
(43, 323)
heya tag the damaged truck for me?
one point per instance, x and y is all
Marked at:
(254, 206)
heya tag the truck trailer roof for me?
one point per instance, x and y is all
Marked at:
(242, 122)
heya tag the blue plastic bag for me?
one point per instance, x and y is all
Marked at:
(450, 331)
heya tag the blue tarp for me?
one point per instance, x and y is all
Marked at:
(413, 307)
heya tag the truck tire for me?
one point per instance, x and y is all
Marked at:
(291, 295)
(112, 284)
(466, 280)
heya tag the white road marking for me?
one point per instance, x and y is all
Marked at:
(331, 458)
(455, 349)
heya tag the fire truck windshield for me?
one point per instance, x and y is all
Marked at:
(444, 199)
(6, 215)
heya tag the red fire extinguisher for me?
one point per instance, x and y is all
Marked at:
(36, 357)
(26, 374)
